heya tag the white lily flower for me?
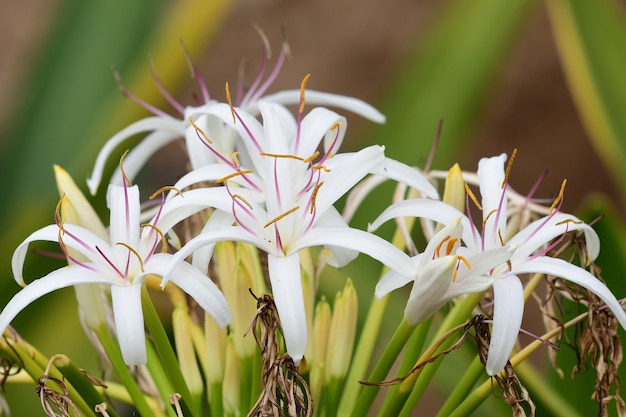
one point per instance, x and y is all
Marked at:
(297, 189)
(224, 140)
(123, 263)
(527, 255)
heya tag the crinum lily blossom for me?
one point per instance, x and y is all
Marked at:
(122, 263)
(166, 128)
(297, 188)
(528, 248)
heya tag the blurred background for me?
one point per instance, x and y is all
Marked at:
(493, 72)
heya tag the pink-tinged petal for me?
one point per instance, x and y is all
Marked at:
(285, 277)
(429, 289)
(392, 280)
(76, 237)
(222, 136)
(355, 239)
(577, 275)
(327, 99)
(234, 233)
(544, 230)
(125, 211)
(135, 160)
(491, 181)
(128, 316)
(430, 209)
(61, 278)
(197, 285)
(144, 125)
(508, 309)
(317, 125)
(405, 174)
(190, 202)
(345, 171)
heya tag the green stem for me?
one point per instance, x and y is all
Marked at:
(215, 400)
(456, 316)
(159, 377)
(247, 372)
(168, 357)
(462, 388)
(381, 370)
(115, 357)
(413, 350)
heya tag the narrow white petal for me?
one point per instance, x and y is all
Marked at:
(51, 233)
(577, 275)
(491, 181)
(142, 152)
(211, 173)
(61, 278)
(437, 211)
(202, 256)
(429, 289)
(405, 174)
(392, 281)
(364, 242)
(508, 309)
(317, 125)
(336, 256)
(147, 124)
(128, 316)
(287, 292)
(319, 98)
(276, 127)
(200, 287)
(542, 231)
(123, 204)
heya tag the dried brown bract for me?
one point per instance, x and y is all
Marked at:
(56, 401)
(285, 392)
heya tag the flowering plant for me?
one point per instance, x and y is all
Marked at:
(209, 295)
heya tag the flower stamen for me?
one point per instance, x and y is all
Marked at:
(509, 165)
(471, 195)
(200, 132)
(134, 252)
(234, 174)
(281, 216)
(559, 199)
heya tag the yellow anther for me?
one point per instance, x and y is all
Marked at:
(450, 245)
(236, 159)
(243, 200)
(280, 155)
(57, 212)
(487, 218)
(559, 197)
(456, 270)
(156, 229)
(569, 221)
(134, 252)
(200, 131)
(322, 167)
(314, 196)
(234, 174)
(500, 237)
(126, 180)
(230, 102)
(440, 245)
(472, 197)
(336, 125)
(302, 86)
(274, 220)
(508, 167)
(312, 157)
(164, 189)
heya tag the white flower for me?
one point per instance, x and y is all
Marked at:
(122, 263)
(283, 201)
(528, 248)
(220, 140)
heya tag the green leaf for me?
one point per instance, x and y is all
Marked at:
(590, 37)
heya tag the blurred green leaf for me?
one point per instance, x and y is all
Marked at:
(590, 37)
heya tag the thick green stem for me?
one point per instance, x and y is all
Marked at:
(463, 387)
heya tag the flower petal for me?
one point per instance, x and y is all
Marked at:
(364, 242)
(285, 277)
(128, 316)
(393, 280)
(491, 181)
(200, 287)
(429, 289)
(508, 309)
(319, 98)
(577, 275)
(318, 124)
(61, 278)
(147, 124)
(405, 174)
